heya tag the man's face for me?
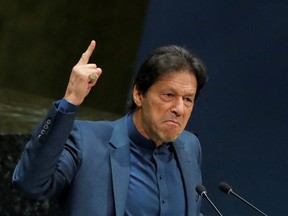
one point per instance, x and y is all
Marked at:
(162, 114)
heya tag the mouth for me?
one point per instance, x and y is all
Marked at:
(173, 122)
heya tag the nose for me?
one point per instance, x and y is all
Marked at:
(178, 107)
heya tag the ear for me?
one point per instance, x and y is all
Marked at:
(137, 97)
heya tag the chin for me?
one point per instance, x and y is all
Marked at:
(169, 135)
(170, 138)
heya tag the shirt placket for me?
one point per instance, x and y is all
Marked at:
(161, 181)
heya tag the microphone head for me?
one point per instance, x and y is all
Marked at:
(200, 189)
(224, 187)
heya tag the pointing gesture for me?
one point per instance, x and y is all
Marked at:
(83, 77)
(87, 54)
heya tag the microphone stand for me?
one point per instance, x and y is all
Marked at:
(245, 201)
(212, 204)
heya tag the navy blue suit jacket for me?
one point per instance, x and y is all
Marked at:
(86, 165)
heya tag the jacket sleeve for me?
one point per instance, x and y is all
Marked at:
(51, 157)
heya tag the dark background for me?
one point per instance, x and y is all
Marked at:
(40, 42)
(241, 116)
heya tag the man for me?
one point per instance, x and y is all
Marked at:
(142, 164)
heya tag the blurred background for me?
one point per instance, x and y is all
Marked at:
(240, 117)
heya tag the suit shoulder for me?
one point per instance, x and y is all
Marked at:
(97, 124)
(99, 127)
(187, 135)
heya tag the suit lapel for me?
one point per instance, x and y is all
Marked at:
(120, 165)
(186, 165)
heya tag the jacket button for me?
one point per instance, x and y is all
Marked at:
(46, 126)
(48, 121)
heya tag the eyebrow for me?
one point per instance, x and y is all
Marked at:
(171, 88)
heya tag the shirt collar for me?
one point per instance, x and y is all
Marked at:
(137, 138)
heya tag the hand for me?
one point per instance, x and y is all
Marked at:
(80, 84)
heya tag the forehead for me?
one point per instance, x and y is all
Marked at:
(184, 80)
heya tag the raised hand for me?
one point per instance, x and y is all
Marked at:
(83, 77)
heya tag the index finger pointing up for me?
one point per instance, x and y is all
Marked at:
(87, 54)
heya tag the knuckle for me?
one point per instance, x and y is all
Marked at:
(76, 69)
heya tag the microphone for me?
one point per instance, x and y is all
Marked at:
(201, 190)
(226, 188)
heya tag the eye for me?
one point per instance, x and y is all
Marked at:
(188, 100)
(167, 96)
(170, 95)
